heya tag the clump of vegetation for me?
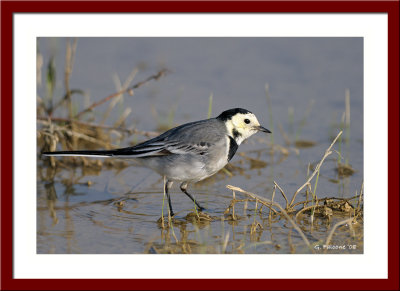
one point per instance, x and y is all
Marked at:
(316, 207)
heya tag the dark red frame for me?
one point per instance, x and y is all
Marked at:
(10, 7)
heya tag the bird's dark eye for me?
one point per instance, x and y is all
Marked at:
(247, 121)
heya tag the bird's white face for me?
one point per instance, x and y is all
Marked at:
(242, 126)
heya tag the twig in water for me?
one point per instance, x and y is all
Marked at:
(272, 200)
(327, 153)
(283, 194)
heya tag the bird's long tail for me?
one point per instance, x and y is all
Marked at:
(129, 152)
(142, 150)
(87, 153)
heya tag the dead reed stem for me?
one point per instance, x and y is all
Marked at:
(272, 200)
(157, 76)
(316, 170)
(120, 88)
(283, 194)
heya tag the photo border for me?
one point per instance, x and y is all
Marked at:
(8, 8)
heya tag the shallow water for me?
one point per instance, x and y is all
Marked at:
(113, 210)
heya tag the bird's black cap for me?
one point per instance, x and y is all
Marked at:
(226, 115)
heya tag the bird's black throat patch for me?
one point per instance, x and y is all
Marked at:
(233, 146)
(236, 133)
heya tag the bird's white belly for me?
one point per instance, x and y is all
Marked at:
(192, 172)
(178, 168)
(214, 168)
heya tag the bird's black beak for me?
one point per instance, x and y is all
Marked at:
(261, 128)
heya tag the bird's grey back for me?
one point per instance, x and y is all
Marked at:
(208, 130)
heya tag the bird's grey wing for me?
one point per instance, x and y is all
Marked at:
(198, 137)
(190, 138)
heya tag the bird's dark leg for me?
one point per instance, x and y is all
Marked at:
(183, 189)
(168, 186)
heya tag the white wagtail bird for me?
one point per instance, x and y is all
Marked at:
(190, 152)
